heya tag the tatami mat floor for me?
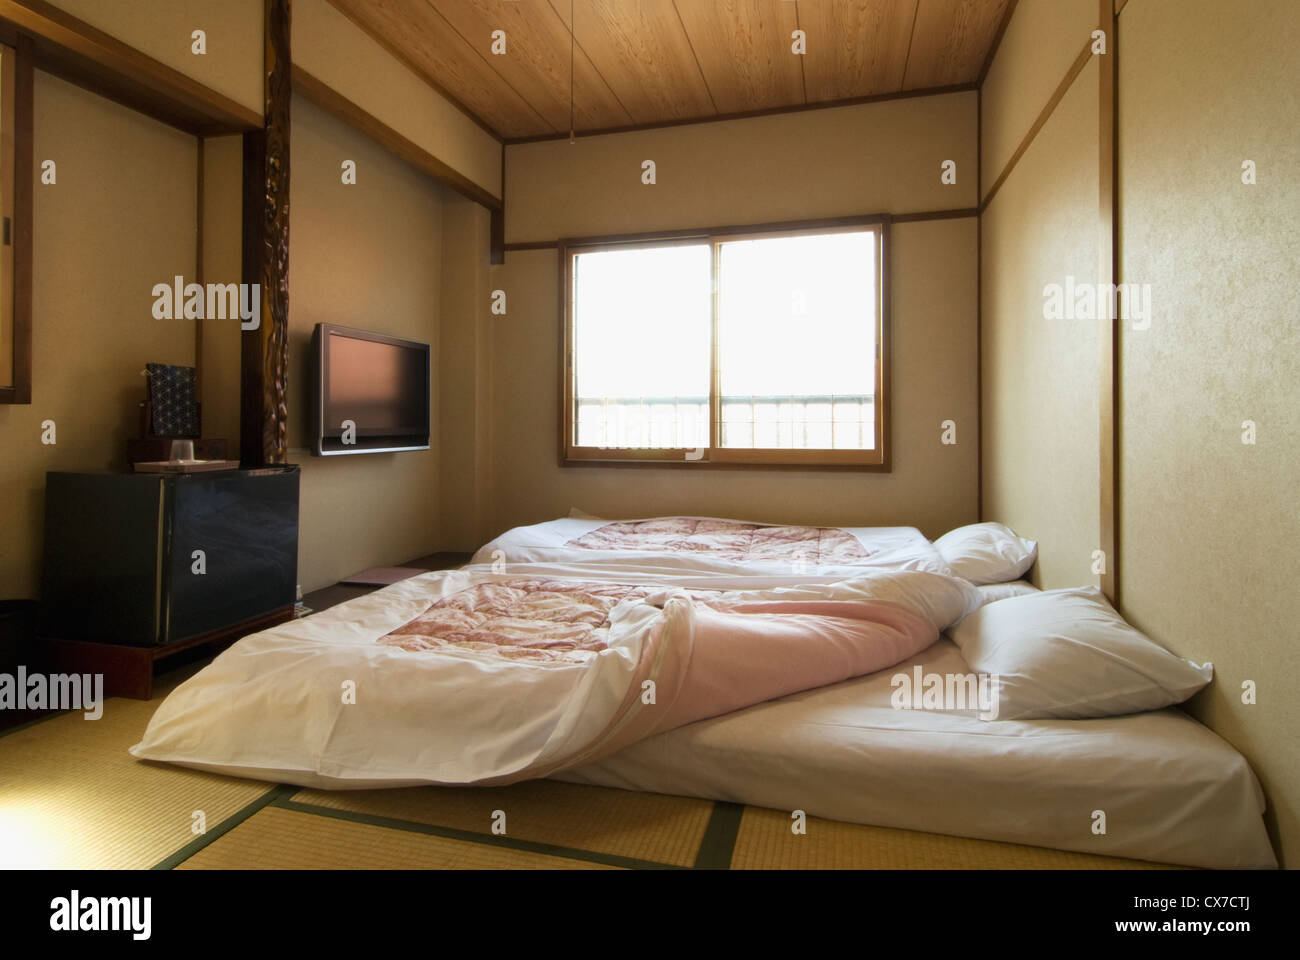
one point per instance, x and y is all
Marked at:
(71, 796)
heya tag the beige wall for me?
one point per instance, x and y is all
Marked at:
(872, 158)
(1209, 534)
(223, 175)
(882, 157)
(367, 255)
(1043, 38)
(162, 29)
(337, 52)
(1040, 379)
(120, 219)
(464, 377)
(1207, 541)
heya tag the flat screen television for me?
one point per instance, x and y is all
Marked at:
(369, 393)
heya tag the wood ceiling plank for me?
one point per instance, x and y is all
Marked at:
(642, 51)
(536, 61)
(418, 35)
(951, 40)
(856, 48)
(743, 47)
(644, 62)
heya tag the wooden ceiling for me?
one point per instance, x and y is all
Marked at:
(648, 62)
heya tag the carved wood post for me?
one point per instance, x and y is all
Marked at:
(264, 361)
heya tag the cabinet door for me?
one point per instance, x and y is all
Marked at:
(104, 558)
(234, 549)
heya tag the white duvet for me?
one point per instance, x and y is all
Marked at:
(330, 701)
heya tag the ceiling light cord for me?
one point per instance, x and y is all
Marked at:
(572, 138)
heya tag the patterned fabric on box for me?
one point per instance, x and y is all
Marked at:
(174, 412)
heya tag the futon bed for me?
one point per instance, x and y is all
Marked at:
(1170, 789)
(713, 545)
(736, 661)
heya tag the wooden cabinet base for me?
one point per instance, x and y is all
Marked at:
(129, 671)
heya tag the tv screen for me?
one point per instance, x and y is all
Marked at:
(370, 392)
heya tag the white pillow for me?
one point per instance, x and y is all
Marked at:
(993, 592)
(987, 553)
(1067, 653)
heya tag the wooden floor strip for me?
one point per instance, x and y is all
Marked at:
(174, 860)
(277, 838)
(720, 838)
(470, 836)
(646, 827)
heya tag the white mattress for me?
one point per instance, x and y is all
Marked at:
(1172, 791)
(891, 548)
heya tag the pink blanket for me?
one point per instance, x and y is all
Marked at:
(707, 653)
(520, 619)
(727, 540)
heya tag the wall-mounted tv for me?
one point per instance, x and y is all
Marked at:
(369, 392)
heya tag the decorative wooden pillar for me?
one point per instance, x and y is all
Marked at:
(264, 360)
(1108, 273)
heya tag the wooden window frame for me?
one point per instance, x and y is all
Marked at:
(16, 259)
(715, 456)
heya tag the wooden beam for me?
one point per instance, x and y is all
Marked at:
(21, 389)
(827, 222)
(334, 103)
(198, 272)
(88, 57)
(979, 298)
(264, 356)
(1057, 96)
(961, 214)
(1108, 269)
(536, 245)
(250, 342)
(497, 241)
(497, 231)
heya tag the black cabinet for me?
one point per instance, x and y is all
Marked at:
(153, 559)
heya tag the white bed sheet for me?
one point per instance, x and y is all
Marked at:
(1172, 791)
(892, 548)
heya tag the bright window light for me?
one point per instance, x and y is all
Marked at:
(797, 341)
(641, 333)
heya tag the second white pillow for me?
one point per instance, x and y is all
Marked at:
(1068, 653)
(987, 553)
